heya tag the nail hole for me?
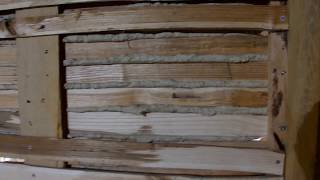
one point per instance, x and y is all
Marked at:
(28, 101)
(46, 51)
(278, 161)
(43, 100)
(42, 26)
(33, 175)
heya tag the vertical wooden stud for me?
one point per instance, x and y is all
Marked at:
(304, 90)
(277, 107)
(39, 84)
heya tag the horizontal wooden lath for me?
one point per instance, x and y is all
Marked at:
(129, 73)
(8, 99)
(171, 127)
(202, 97)
(18, 172)
(164, 48)
(147, 17)
(141, 157)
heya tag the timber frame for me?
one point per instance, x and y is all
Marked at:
(47, 36)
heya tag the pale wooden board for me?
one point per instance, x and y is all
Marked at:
(145, 157)
(303, 91)
(172, 46)
(185, 126)
(8, 99)
(39, 88)
(8, 76)
(278, 70)
(8, 53)
(18, 4)
(39, 85)
(18, 172)
(148, 17)
(157, 72)
(203, 97)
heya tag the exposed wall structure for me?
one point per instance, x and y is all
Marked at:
(170, 90)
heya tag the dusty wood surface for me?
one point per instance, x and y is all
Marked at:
(162, 74)
(147, 17)
(8, 99)
(172, 126)
(181, 97)
(304, 87)
(18, 4)
(145, 157)
(164, 47)
(18, 172)
(39, 85)
(8, 75)
(278, 70)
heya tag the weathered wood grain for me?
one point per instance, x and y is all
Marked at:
(145, 157)
(19, 4)
(171, 126)
(18, 172)
(131, 73)
(278, 70)
(8, 99)
(303, 91)
(8, 76)
(204, 97)
(8, 53)
(9, 122)
(148, 17)
(165, 47)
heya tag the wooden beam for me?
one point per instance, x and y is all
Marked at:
(278, 72)
(304, 87)
(39, 85)
(18, 172)
(146, 157)
(147, 18)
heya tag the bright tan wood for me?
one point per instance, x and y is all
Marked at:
(8, 99)
(183, 126)
(18, 172)
(195, 44)
(278, 70)
(149, 17)
(146, 157)
(181, 97)
(303, 91)
(157, 72)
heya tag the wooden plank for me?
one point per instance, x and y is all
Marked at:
(203, 97)
(8, 99)
(278, 69)
(8, 76)
(19, 4)
(8, 53)
(18, 172)
(39, 85)
(9, 122)
(304, 87)
(129, 74)
(146, 157)
(148, 17)
(39, 88)
(164, 47)
(171, 126)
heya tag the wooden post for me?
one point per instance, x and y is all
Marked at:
(39, 83)
(304, 90)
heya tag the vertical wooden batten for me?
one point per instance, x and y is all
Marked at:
(278, 72)
(39, 84)
(304, 90)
